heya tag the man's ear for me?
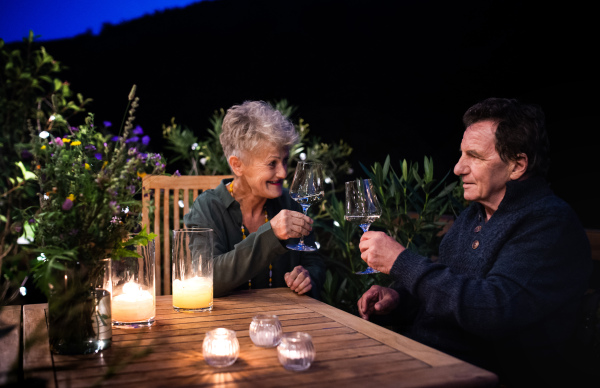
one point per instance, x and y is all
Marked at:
(519, 167)
(236, 165)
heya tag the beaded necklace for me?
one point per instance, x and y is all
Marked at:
(230, 189)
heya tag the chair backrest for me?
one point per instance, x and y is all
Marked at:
(170, 198)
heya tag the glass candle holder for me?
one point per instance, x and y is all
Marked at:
(133, 284)
(265, 330)
(296, 351)
(220, 347)
(192, 270)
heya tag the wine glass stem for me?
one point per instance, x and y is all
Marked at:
(305, 210)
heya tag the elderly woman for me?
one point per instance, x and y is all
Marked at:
(513, 267)
(252, 215)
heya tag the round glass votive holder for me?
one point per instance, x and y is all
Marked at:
(296, 351)
(265, 330)
(220, 347)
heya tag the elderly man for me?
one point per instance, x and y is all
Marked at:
(513, 267)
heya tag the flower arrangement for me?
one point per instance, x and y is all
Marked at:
(90, 203)
(90, 183)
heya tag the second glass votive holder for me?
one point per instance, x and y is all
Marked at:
(133, 284)
(192, 270)
(296, 351)
(265, 330)
(220, 347)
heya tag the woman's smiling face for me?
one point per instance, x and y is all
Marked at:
(266, 170)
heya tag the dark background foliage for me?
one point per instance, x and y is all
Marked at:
(388, 77)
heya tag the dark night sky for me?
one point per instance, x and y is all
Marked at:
(388, 77)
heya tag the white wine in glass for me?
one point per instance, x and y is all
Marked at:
(362, 208)
(308, 188)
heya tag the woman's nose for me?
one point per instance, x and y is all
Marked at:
(281, 171)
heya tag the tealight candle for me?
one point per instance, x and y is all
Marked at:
(134, 304)
(194, 294)
(296, 351)
(265, 330)
(220, 347)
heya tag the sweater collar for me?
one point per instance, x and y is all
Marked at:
(522, 193)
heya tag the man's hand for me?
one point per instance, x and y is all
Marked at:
(379, 250)
(378, 300)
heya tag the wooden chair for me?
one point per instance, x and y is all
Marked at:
(170, 198)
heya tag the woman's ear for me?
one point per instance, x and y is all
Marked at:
(519, 167)
(237, 166)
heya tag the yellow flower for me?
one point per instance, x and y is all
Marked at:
(76, 143)
(87, 166)
(43, 147)
(104, 164)
(71, 197)
(65, 140)
(141, 174)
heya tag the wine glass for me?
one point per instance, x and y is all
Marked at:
(307, 188)
(362, 207)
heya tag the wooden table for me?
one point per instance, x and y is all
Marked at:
(350, 352)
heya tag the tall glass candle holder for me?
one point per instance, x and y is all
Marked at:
(265, 330)
(192, 270)
(133, 279)
(296, 351)
(220, 347)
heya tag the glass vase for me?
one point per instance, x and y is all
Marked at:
(79, 308)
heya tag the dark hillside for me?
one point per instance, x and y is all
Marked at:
(389, 77)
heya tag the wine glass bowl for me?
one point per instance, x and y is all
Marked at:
(362, 207)
(308, 188)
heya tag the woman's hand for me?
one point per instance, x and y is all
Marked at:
(298, 280)
(378, 300)
(290, 224)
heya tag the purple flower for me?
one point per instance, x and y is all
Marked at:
(25, 154)
(131, 189)
(31, 221)
(58, 141)
(107, 124)
(74, 129)
(98, 155)
(138, 130)
(90, 147)
(134, 139)
(114, 220)
(145, 140)
(115, 138)
(177, 173)
(67, 205)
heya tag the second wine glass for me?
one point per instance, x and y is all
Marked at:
(307, 188)
(362, 208)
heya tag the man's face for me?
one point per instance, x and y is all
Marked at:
(483, 173)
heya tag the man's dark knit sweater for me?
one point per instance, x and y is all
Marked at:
(504, 293)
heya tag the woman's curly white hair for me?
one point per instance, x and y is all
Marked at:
(252, 125)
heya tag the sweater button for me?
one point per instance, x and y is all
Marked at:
(477, 228)
(475, 244)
